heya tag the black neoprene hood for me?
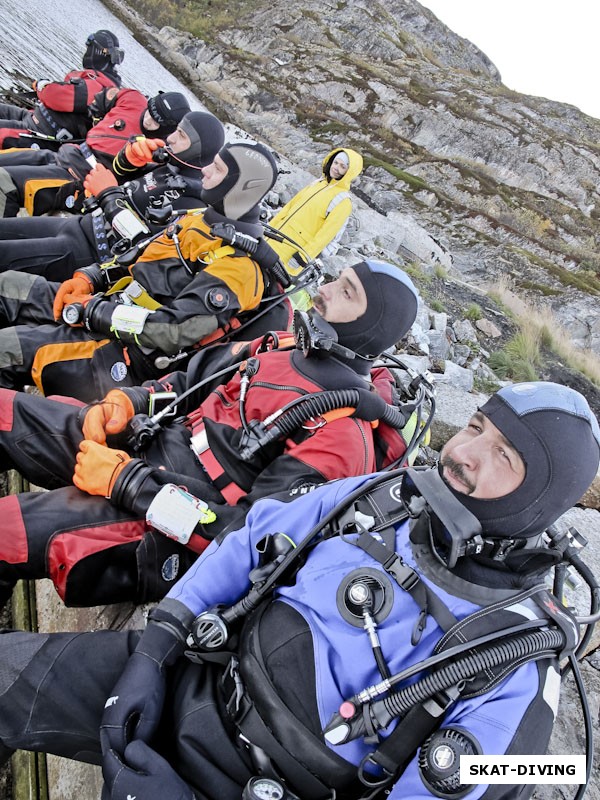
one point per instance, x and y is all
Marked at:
(392, 302)
(206, 135)
(557, 435)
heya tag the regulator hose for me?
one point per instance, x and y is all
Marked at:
(515, 651)
(542, 642)
(367, 406)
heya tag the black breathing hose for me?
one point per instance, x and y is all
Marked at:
(367, 405)
(545, 641)
(541, 643)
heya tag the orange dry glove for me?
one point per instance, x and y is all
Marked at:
(108, 417)
(98, 467)
(99, 179)
(77, 289)
(140, 152)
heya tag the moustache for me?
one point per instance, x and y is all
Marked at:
(457, 470)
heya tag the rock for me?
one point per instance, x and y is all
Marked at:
(458, 376)
(488, 328)
(454, 408)
(464, 330)
(439, 346)
(438, 321)
(591, 499)
(460, 354)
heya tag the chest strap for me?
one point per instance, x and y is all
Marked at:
(221, 481)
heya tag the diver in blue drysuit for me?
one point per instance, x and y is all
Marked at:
(162, 725)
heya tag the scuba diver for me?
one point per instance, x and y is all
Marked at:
(129, 322)
(390, 626)
(57, 246)
(61, 109)
(34, 179)
(106, 541)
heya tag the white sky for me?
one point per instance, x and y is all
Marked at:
(547, 48)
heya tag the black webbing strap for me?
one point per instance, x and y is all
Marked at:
(250, 724)
(394, 753)
(408, 579)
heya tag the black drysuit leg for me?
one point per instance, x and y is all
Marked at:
(57, 358)
(25, 299)
(31, 186)
(16, 117)
(53, 247)
(53, 688)
(93, 552)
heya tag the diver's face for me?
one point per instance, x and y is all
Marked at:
(481, 462)
(214, 173)
(149, 123)
(342, 300)
(178, 141)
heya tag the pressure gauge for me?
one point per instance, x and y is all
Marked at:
(263, 789)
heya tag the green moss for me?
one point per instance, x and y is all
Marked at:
(416, 183)
(541, 288)
(201, 18)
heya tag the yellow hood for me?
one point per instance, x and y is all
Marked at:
(354, 168)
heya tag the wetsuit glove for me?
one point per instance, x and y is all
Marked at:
(99, 179)
(142, 773)
(140, 152)
(73, 290)
(108, 417)
(98, 467)
(135, 705)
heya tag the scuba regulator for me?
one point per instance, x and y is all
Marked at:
(212, 629)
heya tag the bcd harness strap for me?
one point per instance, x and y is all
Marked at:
(62, 134)
(135, 292)
(300, 755)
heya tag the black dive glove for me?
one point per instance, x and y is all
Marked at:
(135, 706)
(142, 773)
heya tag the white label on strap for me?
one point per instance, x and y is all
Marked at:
(129, 319)
(175, 512)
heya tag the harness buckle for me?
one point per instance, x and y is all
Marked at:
(405, 576)
(134, 290)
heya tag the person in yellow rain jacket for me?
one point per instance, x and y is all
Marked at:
(315, 218)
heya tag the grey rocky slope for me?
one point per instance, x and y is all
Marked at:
(459, 169)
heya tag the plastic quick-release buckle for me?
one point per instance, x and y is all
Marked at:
(405, 576)
(134, 290)
(109, 269)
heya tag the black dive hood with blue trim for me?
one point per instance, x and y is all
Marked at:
(558, 438)
(392, 302)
